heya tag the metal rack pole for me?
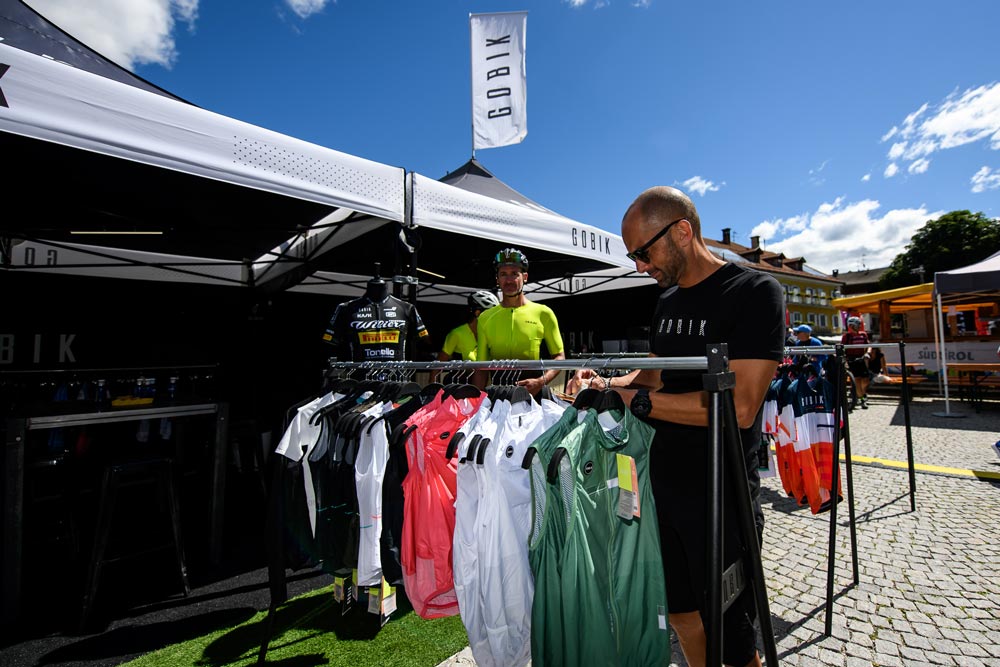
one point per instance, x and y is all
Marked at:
(909, 436)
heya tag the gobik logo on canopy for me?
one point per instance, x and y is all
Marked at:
(3, 70)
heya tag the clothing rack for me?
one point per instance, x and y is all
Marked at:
(723, 441)
(839, 352)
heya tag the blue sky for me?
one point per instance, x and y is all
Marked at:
(834, 130)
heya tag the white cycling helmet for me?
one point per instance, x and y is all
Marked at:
(482, 299)
(854, 320)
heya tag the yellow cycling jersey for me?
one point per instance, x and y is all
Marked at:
(517, 333)
(460, 340)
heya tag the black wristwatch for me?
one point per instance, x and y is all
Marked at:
(641, 405)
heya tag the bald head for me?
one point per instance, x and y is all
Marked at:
(661, 205)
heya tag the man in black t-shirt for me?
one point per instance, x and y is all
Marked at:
(706, 300)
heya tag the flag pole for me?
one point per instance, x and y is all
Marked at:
(472, 92)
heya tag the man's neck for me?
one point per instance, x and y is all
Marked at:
(513, 301)
(701, 264)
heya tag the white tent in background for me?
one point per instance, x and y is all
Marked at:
(981, 279)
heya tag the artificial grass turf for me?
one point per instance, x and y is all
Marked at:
(310, 630)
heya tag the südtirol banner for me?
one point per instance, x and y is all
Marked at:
(499, 79)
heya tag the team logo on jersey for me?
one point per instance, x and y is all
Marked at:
(379, 324)
(588, 467)
(378, 337)
(509, 451)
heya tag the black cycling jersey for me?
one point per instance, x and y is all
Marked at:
(366, 330)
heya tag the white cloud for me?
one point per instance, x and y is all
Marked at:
(891, 170)
(959, 119)
(919, 166)
(897, 150)
(306, 8)
(985, 179)
(866, 178)
(141, 33)
(838, 234)
(701, 185)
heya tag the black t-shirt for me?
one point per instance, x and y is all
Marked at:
(735, 305)
(367, 330)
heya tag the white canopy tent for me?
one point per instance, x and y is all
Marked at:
(981, 279)
(218, 195)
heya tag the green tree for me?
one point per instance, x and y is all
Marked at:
(954, 240)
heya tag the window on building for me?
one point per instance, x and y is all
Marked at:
(822, 320)
(796, 318)
(811, 318)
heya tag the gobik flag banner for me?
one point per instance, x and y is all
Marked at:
(499, 79)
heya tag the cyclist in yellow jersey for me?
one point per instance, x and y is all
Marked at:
(516, 329)
(460, 343)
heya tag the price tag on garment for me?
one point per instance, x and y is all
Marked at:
(374, 599)
(635, 489)
(388, 598)
(625, 465)
(338, 589)
(626, 489)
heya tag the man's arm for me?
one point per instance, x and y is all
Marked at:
(752, 379)
(534, 385)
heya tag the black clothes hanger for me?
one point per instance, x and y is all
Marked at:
(430, 391)
(585, 399)
(470, 453)
(453, 444)
(481, 454)
(465, 391)
(552, 473)
(520, 395)
(528, 455)
(609, 400)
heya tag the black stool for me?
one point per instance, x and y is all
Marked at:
(153, 471)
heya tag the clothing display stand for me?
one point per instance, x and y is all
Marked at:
(723, 441)
(905, 401)
(841, 425)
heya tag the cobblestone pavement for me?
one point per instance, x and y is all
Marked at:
(929, 580)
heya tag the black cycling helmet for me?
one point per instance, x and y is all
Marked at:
(482, 299)
(511, 256)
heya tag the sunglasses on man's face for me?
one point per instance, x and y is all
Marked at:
(642, 252)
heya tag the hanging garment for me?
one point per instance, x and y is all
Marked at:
(369, 473)
(392, 487)
(429, 510)
(613, 593)
(814, 429)
(465, 547)
(550, 504)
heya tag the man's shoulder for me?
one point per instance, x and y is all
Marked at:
(751, 275)
(534, 306)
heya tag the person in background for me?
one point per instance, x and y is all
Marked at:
(804, 338)
(876, 363)
(460, 343)
(705, 300)
(517, 328)
(857, 358)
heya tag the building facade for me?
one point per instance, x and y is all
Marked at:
(808, 292)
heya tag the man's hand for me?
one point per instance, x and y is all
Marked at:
(533, 385)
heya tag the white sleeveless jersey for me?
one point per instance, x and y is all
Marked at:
(465, 548)
(298, 439)
(369, 472)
